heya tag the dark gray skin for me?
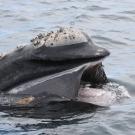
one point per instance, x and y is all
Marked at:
(31, 62)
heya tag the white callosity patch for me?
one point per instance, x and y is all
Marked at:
(63, 36)
(110, 93)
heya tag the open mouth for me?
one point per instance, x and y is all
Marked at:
(65, 85)
(92, 80)
(94, 75)
(96, 89)
(83, 83)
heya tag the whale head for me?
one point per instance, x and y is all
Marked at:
(56, 63)
(67, 44)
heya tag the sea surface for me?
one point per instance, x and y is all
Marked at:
(111, 24)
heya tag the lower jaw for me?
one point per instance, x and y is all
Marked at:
(58, 87)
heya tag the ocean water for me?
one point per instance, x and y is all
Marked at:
(111, 24)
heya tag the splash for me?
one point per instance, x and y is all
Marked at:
(106, 96)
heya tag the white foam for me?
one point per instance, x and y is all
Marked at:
(110, 93)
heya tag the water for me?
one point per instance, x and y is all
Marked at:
(111, 24)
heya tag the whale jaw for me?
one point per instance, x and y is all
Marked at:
(56, 84)
(63, 86)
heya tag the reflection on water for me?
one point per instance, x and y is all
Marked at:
(111, 25)
(50, 116)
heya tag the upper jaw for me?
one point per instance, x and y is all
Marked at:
(76, 52)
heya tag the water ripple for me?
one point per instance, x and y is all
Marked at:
(132, 12)
(111, 24)
(117, 17)
(106, 39)
(96, 8)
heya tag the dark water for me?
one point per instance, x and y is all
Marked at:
(111, 24)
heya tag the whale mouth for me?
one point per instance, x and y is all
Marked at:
(91, 86)
(63, 86)
(94, 75)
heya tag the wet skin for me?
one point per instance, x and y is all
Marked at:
(31, 62)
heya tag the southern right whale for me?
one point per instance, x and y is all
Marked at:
(52, 67)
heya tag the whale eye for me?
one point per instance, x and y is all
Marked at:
(61, 37)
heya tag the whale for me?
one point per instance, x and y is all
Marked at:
(53, 67)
